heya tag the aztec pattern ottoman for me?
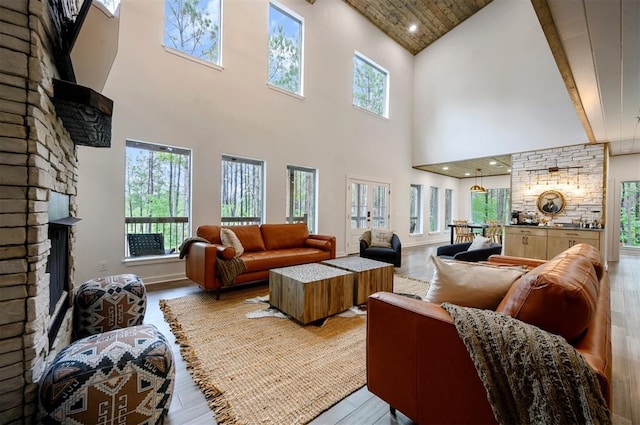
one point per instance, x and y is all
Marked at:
(107, 303)
(121, 376)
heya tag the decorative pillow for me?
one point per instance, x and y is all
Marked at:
(366, 236)
(479, 242)
(229, 238)
(470, 284)
(381, 238)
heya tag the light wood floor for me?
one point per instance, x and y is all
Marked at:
(189, 406)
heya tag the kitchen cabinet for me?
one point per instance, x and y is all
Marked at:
(561, 239)
(526, 241)
(545, 243)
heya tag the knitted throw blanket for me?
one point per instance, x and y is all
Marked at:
(531, 376)
(229, 269)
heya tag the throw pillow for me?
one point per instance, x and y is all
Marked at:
(470, 284)
(479, 242)
(381, 238)
(229, 238)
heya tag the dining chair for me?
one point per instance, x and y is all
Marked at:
(463, 231)
(494, 231)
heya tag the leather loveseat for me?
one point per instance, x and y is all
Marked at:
(265, 247)
(418, 364)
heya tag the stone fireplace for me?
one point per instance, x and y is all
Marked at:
(38, 177)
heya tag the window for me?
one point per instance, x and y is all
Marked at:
(448, 199)
(433, 210)
(112, 5)
(242, 191)
(492, 205)
(370, 85)
(285, 49)
(157, 195)
(193, 27)
(415, 209)
(301, 196)
(630, 214)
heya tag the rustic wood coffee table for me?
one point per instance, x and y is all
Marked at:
(310, 292)
(370, 276)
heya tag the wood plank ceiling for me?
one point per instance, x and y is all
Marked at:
(432, 18)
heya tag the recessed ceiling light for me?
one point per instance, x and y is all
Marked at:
(413, 28)
(492, 163)
(445, 168)
(467, 174)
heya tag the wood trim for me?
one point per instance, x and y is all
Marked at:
(543, 12)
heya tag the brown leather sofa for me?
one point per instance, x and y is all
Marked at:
(265, 247)
(418, 364)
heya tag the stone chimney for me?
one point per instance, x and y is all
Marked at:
(37, 157)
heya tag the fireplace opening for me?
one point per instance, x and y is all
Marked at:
(58, 269)
(60, 223)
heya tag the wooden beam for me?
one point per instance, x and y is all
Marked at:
(543, 12)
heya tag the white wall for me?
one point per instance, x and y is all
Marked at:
(621, 168)
(485, 88)
(162, 98)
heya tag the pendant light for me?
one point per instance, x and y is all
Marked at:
(478, 188)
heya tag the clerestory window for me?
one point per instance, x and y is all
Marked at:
(370, 85)
(285, 49)
(194, 27)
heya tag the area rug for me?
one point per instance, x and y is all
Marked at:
(269, 371)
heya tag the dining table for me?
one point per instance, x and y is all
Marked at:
(473, 226)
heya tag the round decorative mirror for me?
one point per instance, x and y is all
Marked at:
(550, 202)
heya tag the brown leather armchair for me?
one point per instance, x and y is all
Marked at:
(418, 364)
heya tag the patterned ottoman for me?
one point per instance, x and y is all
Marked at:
(120, 376)
(107, 303)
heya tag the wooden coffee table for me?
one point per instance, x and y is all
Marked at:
(370, 276)
(310, 292)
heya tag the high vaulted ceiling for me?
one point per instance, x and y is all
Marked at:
(596, 45)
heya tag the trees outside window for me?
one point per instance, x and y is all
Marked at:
(301, 195)
(370, 85)
(492, 205)
(415, 209)
(434, 211)
(158, 191)
(448, 207)
(285, 49)
(630, 214)
(193, 27)
(242, 191)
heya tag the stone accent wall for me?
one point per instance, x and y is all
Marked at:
(36, 156)
(583, 188)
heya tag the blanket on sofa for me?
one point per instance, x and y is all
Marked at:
(531, 376)
(228, 269)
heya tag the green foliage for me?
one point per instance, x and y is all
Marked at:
(284, 61)
(369, 86)
(189, 28)
(242, 188)
(156, 184)
(492, 205)
(630, 214)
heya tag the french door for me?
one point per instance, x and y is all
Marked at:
(367, 208)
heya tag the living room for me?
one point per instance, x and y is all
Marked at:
(165, 98)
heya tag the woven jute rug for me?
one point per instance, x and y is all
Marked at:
(269, 371)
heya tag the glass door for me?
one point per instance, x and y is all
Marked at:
(368, 208)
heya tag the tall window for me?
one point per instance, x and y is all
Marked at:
(157, 195)
(193, 27)
(433, 210)
(492, 205)
(112, 5)
(242, 190)
(285, 49)
(448, 208)
(415, 209)
(301, 196)
(630, 214)
(370, 85)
